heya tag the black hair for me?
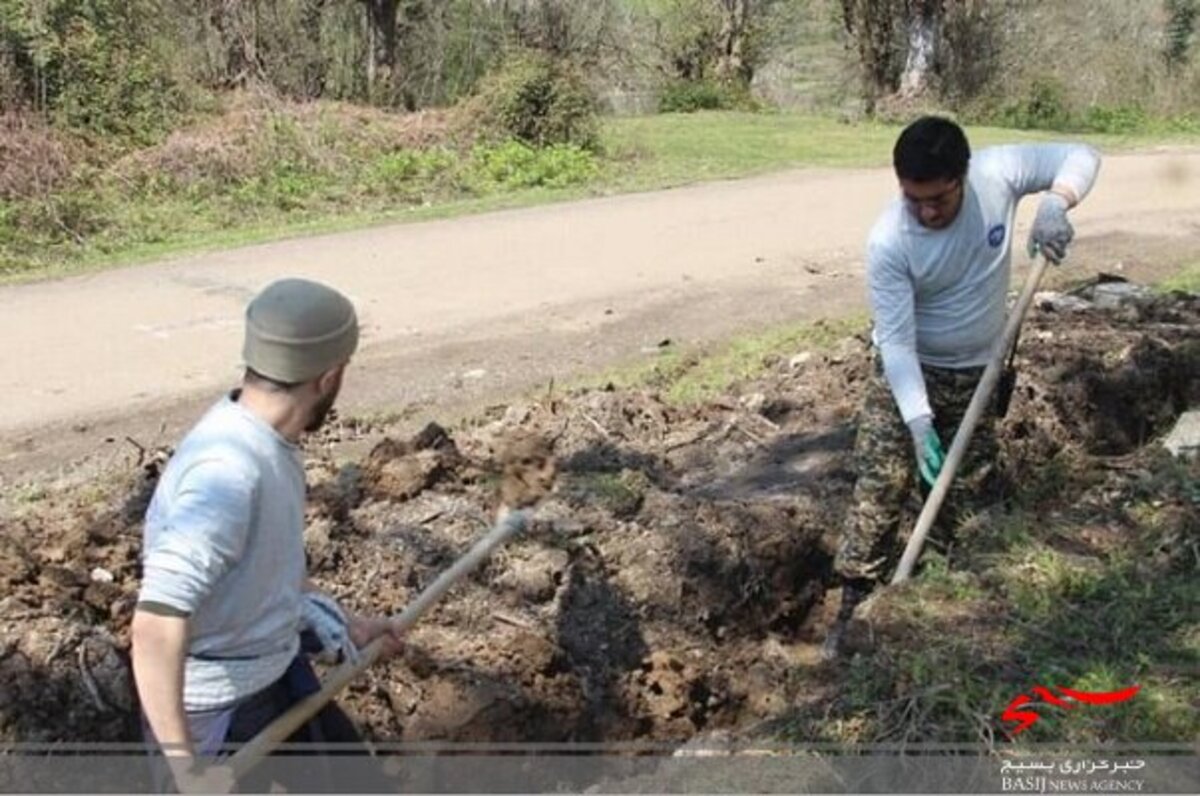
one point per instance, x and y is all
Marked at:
(931, 148)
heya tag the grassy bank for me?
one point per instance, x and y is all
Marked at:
(678, 148)
(256, 173)
(1188, 279)
(689, 376)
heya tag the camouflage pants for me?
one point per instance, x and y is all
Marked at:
(887, 472)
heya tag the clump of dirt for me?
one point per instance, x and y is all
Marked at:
(401, 470)
(676, 581)
(529, 470)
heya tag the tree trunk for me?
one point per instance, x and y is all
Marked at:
(540, 25)
(732, 61)
(314, 59)
(236, 24)
(1181, 25)
(924, 18)
(869, 23)
(381, 60)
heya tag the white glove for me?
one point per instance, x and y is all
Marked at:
(328, 622)
(1051, 232)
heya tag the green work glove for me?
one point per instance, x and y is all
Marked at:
(930, 456)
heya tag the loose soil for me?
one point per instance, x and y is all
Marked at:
(677, 582)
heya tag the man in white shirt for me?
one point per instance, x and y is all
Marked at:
(938, 268)
(225, 603)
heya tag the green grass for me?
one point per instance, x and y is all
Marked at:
(1026, 601)
(1101, 624)
(1187, 280)
(692, 376)
(111, 223)
(674, 149)
(621, 494)
(195, 229)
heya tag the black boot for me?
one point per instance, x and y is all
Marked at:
(854, 591)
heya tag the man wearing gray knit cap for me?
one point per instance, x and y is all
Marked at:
(225, 614)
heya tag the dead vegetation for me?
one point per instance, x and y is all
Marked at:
(35, 159)
(255, 131)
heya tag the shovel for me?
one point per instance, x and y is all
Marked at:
(275, 733)
(528, 474)
(975, 410)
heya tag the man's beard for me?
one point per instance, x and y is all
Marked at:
(321, 412)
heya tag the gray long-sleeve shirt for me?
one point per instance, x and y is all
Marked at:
(938, 295)
(224, 545)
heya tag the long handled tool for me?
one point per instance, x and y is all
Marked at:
(529, 470)
(275, 733)
(975, 410)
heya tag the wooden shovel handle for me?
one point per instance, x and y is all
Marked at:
(279, 730)
(962, 438)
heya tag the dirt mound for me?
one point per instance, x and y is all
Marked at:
(673, 584)
(1105, 381)
(69, 572)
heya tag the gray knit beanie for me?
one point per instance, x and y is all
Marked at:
(297, 329)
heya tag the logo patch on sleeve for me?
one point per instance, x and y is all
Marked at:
(996, 235)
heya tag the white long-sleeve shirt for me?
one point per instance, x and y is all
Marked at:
(938, 295)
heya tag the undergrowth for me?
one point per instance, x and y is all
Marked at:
(256, 167)
(1092, 589)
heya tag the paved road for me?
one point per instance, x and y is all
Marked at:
(472, 306)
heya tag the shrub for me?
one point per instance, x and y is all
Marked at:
(66, 217)
(410, 173)
(1044, 107)
(256, 134)
(95, 65)
(1120, 119)
(395, 168)
(537, 99)
(688, 96)
(515, 164)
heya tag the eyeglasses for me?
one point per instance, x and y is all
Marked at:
(936, 201)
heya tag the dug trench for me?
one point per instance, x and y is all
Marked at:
(676, 584)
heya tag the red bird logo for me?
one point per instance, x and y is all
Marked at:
(1026, 718)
